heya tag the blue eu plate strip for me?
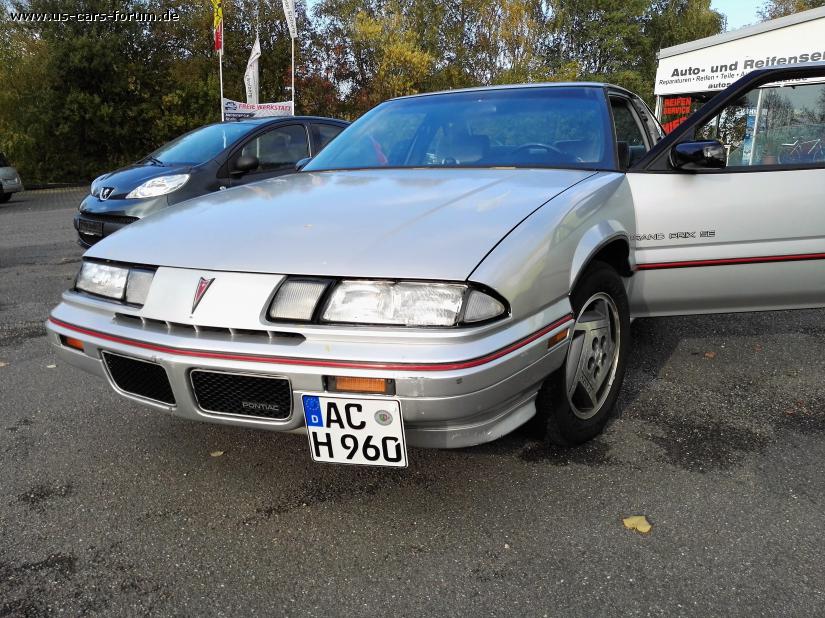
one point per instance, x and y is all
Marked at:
(312, 411)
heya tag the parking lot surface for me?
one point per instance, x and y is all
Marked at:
(109, 508)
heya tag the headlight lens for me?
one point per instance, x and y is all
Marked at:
(159, 186)
(115, 282)
(407, 303)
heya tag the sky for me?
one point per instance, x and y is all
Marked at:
(740, 12)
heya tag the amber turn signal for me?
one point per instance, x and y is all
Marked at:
(351, 384)
(558, 338)
(71, 342)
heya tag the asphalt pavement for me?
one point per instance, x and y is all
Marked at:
(111, 509)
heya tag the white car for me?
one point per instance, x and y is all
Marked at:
(10, 182)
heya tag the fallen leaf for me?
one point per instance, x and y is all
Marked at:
(50, 366)
(710, 355)
(758, 347)
(216, 453)
(2, 364)
(638, 523)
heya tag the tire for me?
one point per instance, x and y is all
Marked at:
(4, 197)
(594, 368)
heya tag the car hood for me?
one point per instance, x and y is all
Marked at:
(127, 178)
(413, 223)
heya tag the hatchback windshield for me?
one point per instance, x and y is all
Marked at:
(514, 127)
(200, 145)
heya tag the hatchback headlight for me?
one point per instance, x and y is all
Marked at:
(119, 283)
(160, 185)
(386, 303)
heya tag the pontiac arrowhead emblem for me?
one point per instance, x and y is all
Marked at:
(203, 285)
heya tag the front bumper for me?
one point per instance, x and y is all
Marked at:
(447, 400)
(105, 217)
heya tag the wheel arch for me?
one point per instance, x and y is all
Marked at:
(607, 241)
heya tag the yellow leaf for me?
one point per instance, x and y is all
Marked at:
(638, 523)
(216, 453)
(710, 355)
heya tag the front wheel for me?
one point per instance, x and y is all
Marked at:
(576, 401)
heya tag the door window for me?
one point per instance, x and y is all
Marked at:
(629, 135)
(278, 148)
(775, 126)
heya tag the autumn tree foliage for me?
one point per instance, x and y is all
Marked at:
(80, 98)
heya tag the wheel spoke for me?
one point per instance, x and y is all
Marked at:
(589, 391)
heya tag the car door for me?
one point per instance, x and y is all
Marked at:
(277, 150)
(747, 236)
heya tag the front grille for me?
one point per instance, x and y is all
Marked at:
(138, 377)
(242, 394)
(108, 218)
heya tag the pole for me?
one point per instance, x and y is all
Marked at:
(292, 40)
(220, 72)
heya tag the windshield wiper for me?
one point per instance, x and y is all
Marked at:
(152, 160)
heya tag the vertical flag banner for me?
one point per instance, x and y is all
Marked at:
(217, 24)
(250, 77)
(289, 13)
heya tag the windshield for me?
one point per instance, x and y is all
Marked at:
(200, 145)
(515, 127)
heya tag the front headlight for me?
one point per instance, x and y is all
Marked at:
(115, 282)
(159, 186)
(386, 303)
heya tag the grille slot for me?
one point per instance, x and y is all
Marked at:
(210, 332)
(108, 218)
(242, 394)
(140, 378)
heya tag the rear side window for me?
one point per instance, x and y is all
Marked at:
(326, 133)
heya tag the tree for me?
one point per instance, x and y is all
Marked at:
(780, 8)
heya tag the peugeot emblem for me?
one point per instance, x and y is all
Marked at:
(105, 192)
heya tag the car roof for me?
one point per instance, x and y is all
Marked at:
(523, 85)
(256, 122)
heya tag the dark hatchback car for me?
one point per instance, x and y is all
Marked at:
(211, 158)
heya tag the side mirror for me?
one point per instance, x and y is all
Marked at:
(703, 155)
(244, 164)
(300, 163)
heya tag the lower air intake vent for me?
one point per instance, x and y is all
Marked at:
(140, 378)
(242, 394)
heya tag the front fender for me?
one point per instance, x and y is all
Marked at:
(593, 241)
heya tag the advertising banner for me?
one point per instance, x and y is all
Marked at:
(217, 23)
(250, 77)
(289, 13)
(236, 110)
(717, 66)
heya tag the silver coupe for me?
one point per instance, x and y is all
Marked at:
(456, 264)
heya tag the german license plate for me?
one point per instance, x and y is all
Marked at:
(94, 228)
(350, 430)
